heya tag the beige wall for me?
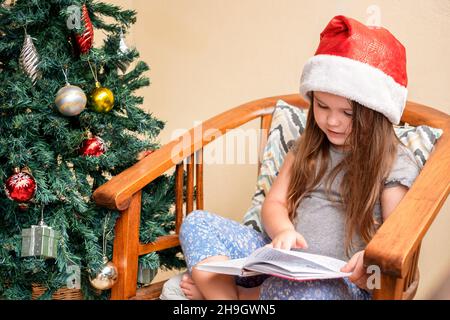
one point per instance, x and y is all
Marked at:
(209, 55)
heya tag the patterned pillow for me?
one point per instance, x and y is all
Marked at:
(288, 123)
(420, 140)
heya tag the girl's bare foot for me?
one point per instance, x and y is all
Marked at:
(189, 288)
(191, 291)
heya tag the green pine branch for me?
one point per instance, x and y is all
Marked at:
(34, 134)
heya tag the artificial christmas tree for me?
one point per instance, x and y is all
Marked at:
(50, 67)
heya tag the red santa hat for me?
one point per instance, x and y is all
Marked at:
(362, 63)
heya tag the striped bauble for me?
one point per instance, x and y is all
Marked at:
(70, 100)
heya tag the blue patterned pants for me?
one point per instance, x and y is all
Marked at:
(204, 235)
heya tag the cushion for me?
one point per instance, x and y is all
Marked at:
(288, 123)
(420, 140)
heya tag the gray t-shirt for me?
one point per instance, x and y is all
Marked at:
(322, 222)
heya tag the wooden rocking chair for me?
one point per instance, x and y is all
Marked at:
(395, 247)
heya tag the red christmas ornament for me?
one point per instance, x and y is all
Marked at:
(21, 186)
(93, 147)
(141, 155)
(86, 39)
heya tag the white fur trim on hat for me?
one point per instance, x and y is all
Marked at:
(356, 81)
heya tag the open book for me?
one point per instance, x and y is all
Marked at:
(289, 264)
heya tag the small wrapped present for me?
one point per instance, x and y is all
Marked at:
(40, 240)
(146, 275)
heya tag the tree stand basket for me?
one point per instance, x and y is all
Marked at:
(60, 294)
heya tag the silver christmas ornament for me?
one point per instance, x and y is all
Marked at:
(70, 100)
(123, 49)
(106, 277)
(29, 59)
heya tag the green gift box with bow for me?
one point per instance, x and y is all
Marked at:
(40, 241)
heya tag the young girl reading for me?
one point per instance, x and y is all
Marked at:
(343, 178)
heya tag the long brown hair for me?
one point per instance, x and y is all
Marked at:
(373, 148)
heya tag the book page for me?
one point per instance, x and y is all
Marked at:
(285, 263)
(231, 267)
(327, 262)
(273, 270)
(295, 261)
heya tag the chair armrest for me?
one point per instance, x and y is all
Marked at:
(396, 240)
(117, 192)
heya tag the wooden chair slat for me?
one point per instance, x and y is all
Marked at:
(199, 180)
(179, 177)
(161, 243)
(190, 184)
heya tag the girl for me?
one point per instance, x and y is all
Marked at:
(343, 178)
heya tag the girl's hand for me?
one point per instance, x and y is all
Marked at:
(356, 267)
(288, 239)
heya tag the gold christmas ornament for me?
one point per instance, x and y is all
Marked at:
(106, 277)
(70, 100)
(101, 99)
